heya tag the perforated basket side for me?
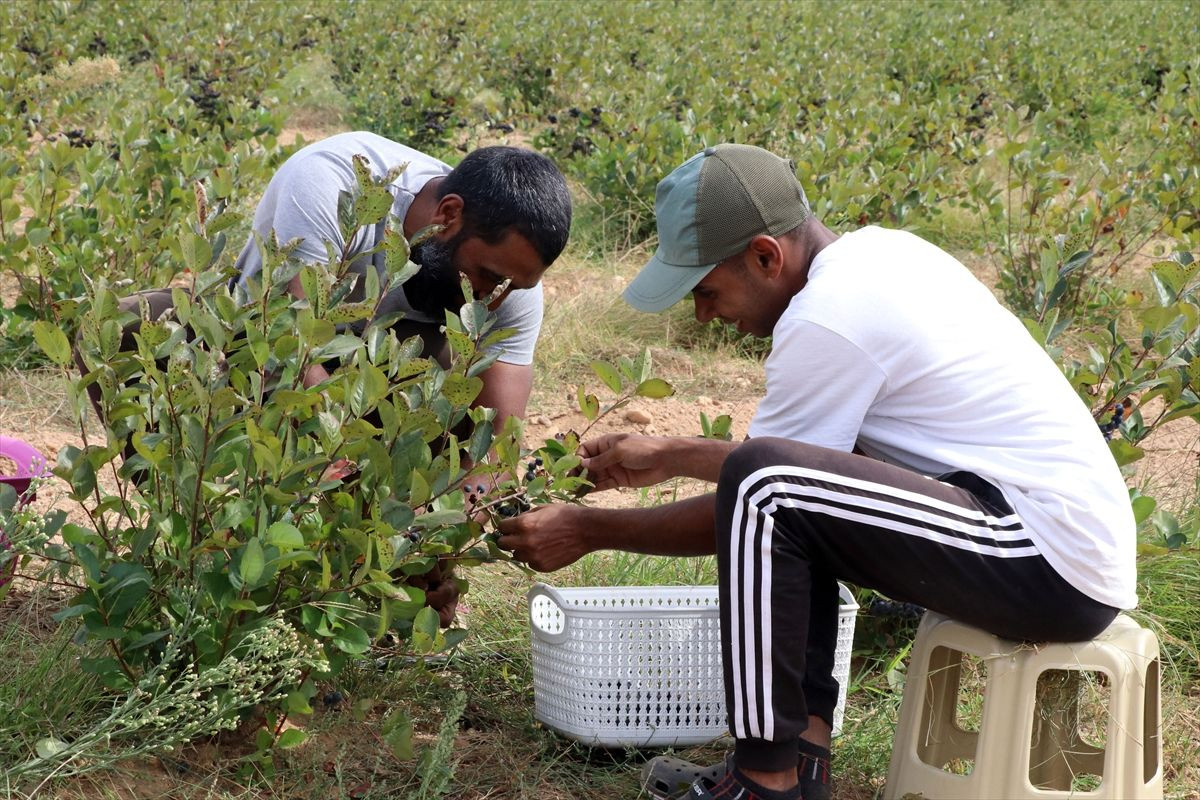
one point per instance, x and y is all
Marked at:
(641, 666)
(847, 612)
(635, 666)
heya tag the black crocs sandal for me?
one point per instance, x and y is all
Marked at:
(668, 778)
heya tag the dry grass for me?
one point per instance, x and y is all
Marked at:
(34, 400)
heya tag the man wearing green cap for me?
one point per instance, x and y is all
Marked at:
(913, 439)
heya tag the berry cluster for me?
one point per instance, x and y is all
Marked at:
(1114, 422)
(882, 607)
(518, 505)
(533, 469)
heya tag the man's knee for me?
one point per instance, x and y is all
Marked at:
(752, 457)
(761, 454)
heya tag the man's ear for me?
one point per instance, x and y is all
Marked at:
(766, 255)
(449, 212)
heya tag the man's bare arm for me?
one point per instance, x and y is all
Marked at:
(622, 459)
(551, 537)
(506, 388)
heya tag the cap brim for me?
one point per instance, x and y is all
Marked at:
(661, 285)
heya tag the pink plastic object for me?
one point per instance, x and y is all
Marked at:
(30, 464)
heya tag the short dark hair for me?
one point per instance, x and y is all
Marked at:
(509, 189)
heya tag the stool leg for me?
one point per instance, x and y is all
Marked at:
(1057, 753)
(942, 740)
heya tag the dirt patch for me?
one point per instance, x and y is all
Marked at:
(10, 290)
(303, 130)
(485, 136)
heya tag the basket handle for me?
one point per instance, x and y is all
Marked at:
(555, 634)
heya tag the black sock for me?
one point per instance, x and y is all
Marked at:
(813, 771)
(736, 786)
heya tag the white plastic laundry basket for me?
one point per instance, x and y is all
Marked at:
(641, 665)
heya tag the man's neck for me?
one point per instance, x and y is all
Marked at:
(813, 239)
(421, 212)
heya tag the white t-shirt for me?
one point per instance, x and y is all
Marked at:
(301, 201)
(894, 346)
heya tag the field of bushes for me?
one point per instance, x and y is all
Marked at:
(253, 643)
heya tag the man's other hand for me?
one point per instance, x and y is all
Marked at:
(441, 592)
(624, 459)
(547, 538)
(313, 375)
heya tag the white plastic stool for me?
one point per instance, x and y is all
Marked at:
(1029, 742)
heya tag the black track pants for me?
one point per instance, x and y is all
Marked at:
(792, 519)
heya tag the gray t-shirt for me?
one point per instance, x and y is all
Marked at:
(301, 201)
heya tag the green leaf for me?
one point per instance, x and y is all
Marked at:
(372, 205)
(426, 622)
(37, 236)
(368, 389)
(348, 312)
(398, 734)
(1035, 330)
(292, 737)
(1076, 261)
(297, 703)
(242, 604)
(146, 639)
(71, 611)
(609, 374)
(1172, 276)
(318, 332)
(285, 536)
(251, 567)
(721, 427)
(49, 747)
(1143, 507)
(419, 492)
(481, 441)
(362, 172)
(326, 573)
(53, 342)
(309, 282)
(474, 317)
(87, 559)
(654, 388)
(589, 404)
(154, 447)
(1193, 373)
(439, 519)
(455, 636)
(460, 343)
(642, 366)
(351, 639)
(1124, 452)
(347, 223)
(395, 256)
(195, 249)
(461, 390)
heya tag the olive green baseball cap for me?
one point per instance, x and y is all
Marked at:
(709, 209)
